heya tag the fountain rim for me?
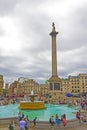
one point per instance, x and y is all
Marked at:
(32, 95)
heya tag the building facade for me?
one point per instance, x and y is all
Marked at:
(27, 85)
(1, 84)
(75, 84)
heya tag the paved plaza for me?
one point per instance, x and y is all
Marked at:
(80, 127)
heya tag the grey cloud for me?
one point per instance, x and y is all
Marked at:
(34, 59)
(76, 34)
(2, 32)
(9, 67)
(7, 6)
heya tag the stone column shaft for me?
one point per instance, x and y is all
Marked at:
(54, 57)
(54, 52)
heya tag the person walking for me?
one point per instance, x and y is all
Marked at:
(11, 125)
(51, 121)
(58, 121)
(34, 123)
(22, 124)
(26, 123)
(19, 116)
(64, 120)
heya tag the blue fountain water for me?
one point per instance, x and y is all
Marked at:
(43, 115)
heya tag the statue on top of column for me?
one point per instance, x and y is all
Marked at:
(53, 25)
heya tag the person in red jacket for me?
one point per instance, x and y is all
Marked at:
(64, 120)
(78, 115)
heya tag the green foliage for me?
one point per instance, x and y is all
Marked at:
(46, 82)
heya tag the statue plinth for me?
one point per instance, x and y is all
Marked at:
(54, 78)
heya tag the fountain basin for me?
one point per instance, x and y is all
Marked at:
(12, 110)
(37, 105)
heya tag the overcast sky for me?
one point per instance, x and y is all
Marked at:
(25, 44)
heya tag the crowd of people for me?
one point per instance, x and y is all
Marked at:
(23, 122)
(80, 117)
(84, 104)
(57, 120)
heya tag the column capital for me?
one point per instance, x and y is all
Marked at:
(53, 33)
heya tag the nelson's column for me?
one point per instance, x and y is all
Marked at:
(54, 81)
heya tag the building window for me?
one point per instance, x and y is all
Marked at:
(56, 86)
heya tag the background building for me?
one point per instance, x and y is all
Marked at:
(1, 84)
(26, 85)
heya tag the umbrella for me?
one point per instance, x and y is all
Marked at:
(69, 95)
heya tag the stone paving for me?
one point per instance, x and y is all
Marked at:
(81, 127)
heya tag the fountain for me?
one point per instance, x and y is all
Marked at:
(32, 104)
